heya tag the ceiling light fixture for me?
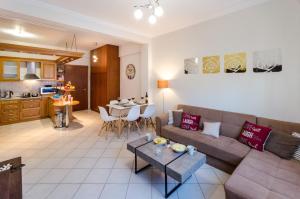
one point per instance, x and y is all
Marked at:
(153, 6)
(18, 31)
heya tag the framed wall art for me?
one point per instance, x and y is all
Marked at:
(192, 66)
(235, 63)
(267, 61)
(211, 64)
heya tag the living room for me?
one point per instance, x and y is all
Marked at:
(157, 99)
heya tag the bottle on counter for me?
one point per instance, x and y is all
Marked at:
(146, 98)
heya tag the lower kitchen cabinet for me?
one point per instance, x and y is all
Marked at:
(14, 111)
(30, 109)
(10, 111)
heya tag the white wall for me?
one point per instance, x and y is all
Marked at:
(275, 24)
(130, 54)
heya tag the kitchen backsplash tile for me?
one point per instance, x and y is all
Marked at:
(25, 86)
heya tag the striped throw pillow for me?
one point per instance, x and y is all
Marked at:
(297, 152)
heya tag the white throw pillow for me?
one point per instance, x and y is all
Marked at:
(297, 152)
(212, 128)
(171, 119)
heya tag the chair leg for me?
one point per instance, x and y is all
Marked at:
(102, 127)
(138, 128)
(152, 124)
(129, 125)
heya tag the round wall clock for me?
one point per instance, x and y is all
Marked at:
(130, 71)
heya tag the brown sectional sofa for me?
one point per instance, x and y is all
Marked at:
(255, 174)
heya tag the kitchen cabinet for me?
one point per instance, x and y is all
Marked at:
(105, 76)
(44, 107)
(9, 70)
(30, 109)
(10, 111)
(49, 71)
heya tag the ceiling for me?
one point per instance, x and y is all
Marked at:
(178, 13)
(56, 36)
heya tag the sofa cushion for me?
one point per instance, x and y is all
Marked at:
(190, 122)
(282, 144)
(264, 175)
(232, 123)
(254, 135)
(177, 116)
(223, 148)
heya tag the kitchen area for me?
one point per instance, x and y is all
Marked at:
(32, 89)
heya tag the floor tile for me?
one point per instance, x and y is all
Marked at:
(213, 191)
(223, 177)
(85, 163)
(68, 163)
(77, 153)
(54, 176)
(64, 191)
(207, 176)
(190, 191)
(39, 191)
(105, 163)
(34, 175)
(76, 176)
(98, 176)
(143, 177)
(124, 163)
(49, 163)
(138, 191)
(119, 176)
(111, 153)
(114, 191)
(94, 153)
(89, 191)
(158, 192)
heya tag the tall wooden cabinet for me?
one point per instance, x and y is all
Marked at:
(105, 75)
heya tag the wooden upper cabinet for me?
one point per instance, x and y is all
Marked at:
(49, 70)
(9, 70)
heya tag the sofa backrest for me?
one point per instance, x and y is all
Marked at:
(231, 123)
(280, 126)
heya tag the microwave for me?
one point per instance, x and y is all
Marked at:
(48, 90)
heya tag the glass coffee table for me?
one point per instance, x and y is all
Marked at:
(179, 166)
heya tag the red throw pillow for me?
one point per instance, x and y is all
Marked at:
(190, 122)
(254, 135)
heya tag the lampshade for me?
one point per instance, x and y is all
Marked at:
(162, 84)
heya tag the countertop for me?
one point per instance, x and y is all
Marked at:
(20, 98)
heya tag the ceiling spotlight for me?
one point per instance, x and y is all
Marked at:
(138, 14)
(158, 11)
(152, 19)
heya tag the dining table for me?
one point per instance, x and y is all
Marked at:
(121, 110)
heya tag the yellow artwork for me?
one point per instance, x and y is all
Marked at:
(211, 64)
(235, 63)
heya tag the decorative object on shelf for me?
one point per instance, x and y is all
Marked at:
(267, 61)
(211, 64)
(235, 63)
(191, 66)
(153, 7)
(69, 87)
(163, 84)
(130, 71)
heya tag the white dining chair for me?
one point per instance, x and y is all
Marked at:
(112, 111)
(108, 121)
(148, 114)
(131, 119)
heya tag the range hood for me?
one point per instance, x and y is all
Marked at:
(31, 71)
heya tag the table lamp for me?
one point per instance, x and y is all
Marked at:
(163, 84)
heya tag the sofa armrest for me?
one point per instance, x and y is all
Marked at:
(161, 121)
